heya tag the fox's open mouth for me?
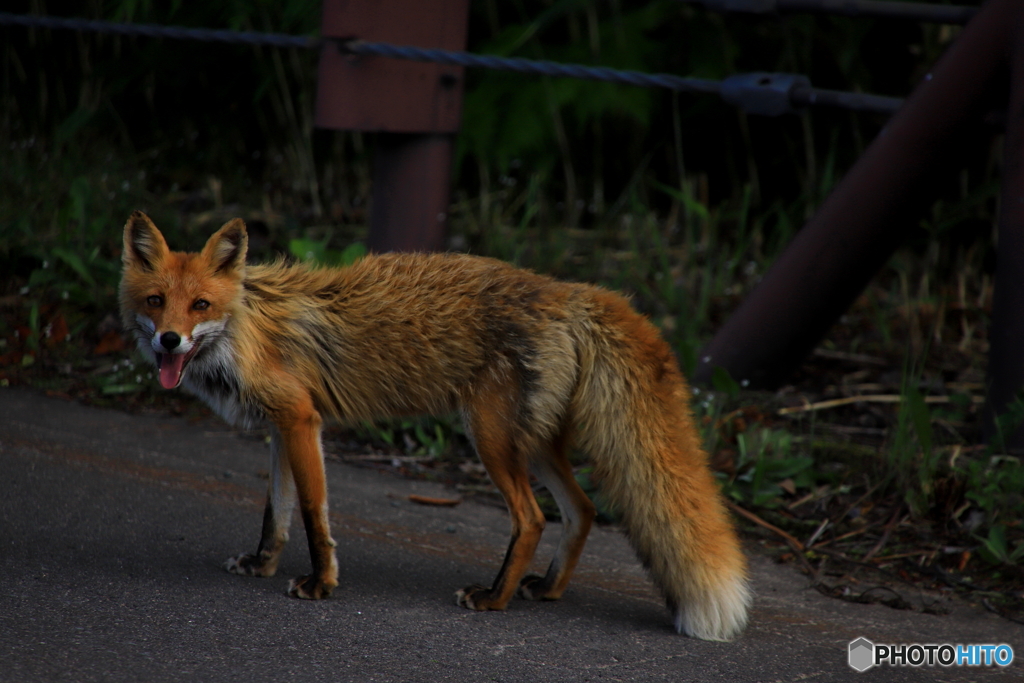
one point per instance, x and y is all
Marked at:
(171, 365)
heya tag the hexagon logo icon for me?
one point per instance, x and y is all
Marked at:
(862, 654)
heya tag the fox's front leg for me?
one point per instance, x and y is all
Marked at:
(298, 426)
(277, 517)
(300, 434)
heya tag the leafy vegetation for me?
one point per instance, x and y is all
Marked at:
(874, 453)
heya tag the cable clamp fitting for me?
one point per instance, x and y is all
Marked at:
(763, 93)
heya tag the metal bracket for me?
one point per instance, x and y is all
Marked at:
(763, 93)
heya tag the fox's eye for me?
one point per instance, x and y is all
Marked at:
(201, 304)
(155, 301)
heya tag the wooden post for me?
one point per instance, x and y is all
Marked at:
(414, 107)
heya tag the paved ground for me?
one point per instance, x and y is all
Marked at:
(113, 529)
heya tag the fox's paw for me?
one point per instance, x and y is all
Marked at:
(310, 588)
(250, 565)
(534, 587)
(477, 597)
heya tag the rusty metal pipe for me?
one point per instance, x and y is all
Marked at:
(411, 177)
(869, 214)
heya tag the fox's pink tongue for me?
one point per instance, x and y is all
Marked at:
(170, 369)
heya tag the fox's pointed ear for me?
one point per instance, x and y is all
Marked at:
(225, 250)
(144, 246)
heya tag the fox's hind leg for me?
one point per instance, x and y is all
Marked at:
(490, 419)
(555, 472)
(277, 517)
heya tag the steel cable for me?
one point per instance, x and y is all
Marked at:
(756, 93)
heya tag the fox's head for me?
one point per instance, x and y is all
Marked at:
(178, 304)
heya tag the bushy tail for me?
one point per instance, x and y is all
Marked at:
(631, 411)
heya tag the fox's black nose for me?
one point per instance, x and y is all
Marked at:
(170, 340)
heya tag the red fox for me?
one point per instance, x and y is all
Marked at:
(535, 366)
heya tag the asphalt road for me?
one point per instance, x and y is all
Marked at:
(113, 530)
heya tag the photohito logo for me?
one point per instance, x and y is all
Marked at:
(863, 654)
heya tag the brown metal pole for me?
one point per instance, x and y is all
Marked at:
(411, 173)
(862, 222)
(1006, 335)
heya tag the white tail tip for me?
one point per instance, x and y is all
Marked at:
(716, 614)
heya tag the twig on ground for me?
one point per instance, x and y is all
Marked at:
(817, 532)
(885, 534)
(440, 502)
(795, 544)
(869, 398)
(816, 494)
(855, 532)
(900, 556)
